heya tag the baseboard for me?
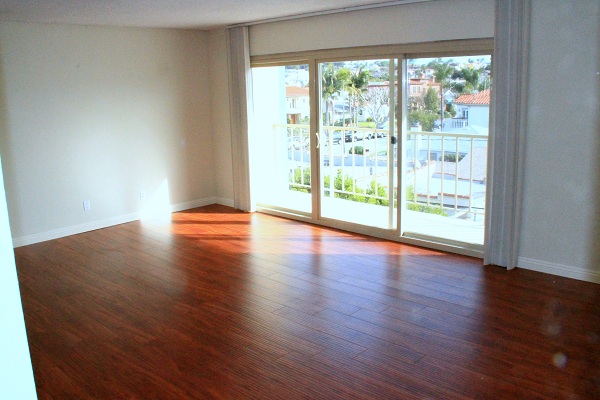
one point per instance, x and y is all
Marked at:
(74, 230)
(568, 271)
(223, 201)
(105, 223)
(192, 204)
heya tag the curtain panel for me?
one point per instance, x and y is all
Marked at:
(240, 103)
(507, 142)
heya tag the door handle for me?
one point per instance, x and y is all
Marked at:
(318, 140)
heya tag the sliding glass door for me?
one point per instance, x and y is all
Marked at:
(395, 146)
(357, 142)
(444, 148)
(282, 164)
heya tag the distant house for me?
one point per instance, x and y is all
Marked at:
(472, 109)
(340, 111)
(449, 96)
(419, 86)
(297, 104)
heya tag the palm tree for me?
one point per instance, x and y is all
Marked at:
(359, 81)
(442, 70)
(333, 83)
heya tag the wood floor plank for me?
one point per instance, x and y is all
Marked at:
(216, 303)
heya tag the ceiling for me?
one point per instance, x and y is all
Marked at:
(197, 14)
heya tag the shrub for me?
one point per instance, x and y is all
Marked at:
(301, 178)
(379, 191)
(356, 150)
(413, 205)
(426, 119)
(451, 157)
(374, 194)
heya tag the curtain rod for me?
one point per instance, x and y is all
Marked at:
(328, 12)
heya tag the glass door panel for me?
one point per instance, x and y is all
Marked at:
(357, 144)
(445, 148)
(282, 133)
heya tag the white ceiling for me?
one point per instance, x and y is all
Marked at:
(198, 14)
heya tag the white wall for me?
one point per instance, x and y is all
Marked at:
(16, 375)
(220, 118)
(479, 116)
(560, 210)
(102, 113)
(408, 23)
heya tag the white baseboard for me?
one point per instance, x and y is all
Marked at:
(568, 271)
(223, 201)
(192, 204)
(74, 230)
(105, 223)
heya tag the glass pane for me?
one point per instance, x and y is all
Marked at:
(282, 133)
(357, 153)
(445, 147)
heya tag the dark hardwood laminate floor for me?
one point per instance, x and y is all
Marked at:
(221, 304)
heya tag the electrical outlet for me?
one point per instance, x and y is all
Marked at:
(87, 206)
(142, 195)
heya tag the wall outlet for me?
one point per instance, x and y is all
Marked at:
(142, 195)
(87, 206)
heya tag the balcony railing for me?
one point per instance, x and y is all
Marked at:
(445, 172)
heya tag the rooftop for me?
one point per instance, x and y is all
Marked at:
(481, 98)
(295, 91)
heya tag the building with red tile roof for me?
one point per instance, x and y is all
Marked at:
(481, 98)
(473, 109)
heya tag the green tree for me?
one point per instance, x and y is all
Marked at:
(357, 85)
(486, 84)
(463, 88)
(333, 82)
(450, 109)
(425, 118)
(471, 75)
(431, 100)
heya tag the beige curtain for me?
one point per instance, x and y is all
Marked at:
(507, 141)
(240, 102)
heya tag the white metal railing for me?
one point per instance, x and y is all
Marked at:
(298, 147)
(357, 161)
(448, 170)
(445, 170)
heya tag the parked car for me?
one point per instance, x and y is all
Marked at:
(352, 135)
(336, 137)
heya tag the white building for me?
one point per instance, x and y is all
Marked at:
(297, 104)
(473, 109)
